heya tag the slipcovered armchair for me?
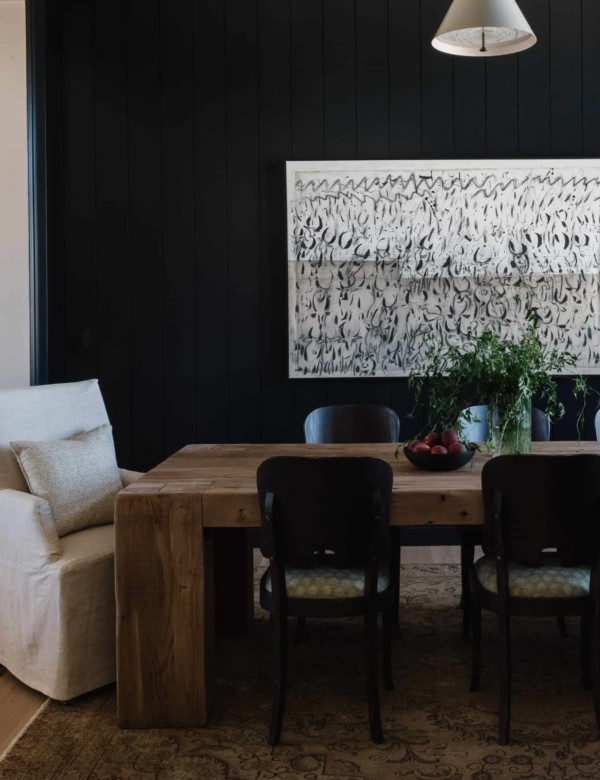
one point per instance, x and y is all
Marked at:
(57, 595)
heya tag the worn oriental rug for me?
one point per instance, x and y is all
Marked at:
(434, 728)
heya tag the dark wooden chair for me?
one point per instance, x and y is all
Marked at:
(533, 504)
(478, 431)
(325, 530)
(351, 424)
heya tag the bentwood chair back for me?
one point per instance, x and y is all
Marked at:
(597, 425)
(477, 430)
(533, 504)
(325, 530)
(351, 424)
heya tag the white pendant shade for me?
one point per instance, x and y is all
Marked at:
(483, 28)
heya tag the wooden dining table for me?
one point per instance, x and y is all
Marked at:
(182, 525)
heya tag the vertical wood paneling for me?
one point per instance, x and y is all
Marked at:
(55, 202)
(565, 78)
(79, 192)
(177, 172)
(502, 107)
(308, 128)
(590, 56)
(275, 147)
(243, 216)
(534, 84)
(404, 43)
(437, 95)
(174, 119)
(372, 81)
(339, 79)
(469, 107)
(145, 226)
(210, 216)
(112, 242)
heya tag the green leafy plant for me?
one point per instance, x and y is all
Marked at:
(500, 373)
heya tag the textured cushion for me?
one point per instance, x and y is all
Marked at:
(551, 580)
(78, 477)
(326, 582)
(45, 413)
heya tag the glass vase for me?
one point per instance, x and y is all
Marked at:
(511, 434)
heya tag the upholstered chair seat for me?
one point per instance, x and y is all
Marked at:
(550, 580)
(326, 582)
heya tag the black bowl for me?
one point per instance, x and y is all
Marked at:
(449, 462)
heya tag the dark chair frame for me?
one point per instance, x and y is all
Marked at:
(506, 539)
(355, 424)
(285, 542)
(470, 537)
(351, 424)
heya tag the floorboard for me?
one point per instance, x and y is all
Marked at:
(18, 706)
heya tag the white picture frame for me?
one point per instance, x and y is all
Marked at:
(386, 255)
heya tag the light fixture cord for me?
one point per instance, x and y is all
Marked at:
(483, 49)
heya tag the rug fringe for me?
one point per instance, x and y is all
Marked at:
(18, 736)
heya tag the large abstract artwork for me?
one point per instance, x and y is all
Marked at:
(385, 255)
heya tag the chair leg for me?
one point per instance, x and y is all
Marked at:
(505, 676)
(279, 626)
(476, 645)
(467, 553)
(388, 630)
(371, 670)
(562, 626)
(585, 643)
(395, 577)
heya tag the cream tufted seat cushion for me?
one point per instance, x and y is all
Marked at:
(550, 580)
(326, 582)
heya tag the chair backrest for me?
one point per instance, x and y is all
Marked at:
(351, 424)
(543, 501)
(44, 413)
(597, 425)
(479, 431)
(324, 504)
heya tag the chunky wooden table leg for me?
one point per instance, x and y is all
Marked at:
(165, 620)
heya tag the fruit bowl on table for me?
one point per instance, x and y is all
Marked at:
(449, 462)
(444, 452)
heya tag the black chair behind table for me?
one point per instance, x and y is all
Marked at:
(478, 431)
(534, 503)
(351, 424)
(355, 424)
(325, 530)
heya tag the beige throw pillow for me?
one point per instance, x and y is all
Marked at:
(78, 477)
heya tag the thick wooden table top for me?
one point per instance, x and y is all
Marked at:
(225, 476)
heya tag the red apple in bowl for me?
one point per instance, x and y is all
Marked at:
(439, 449)
(457, 446)
(449, 437)
(422, 448)
(432, 439)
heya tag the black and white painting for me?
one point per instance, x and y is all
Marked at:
(384, 255)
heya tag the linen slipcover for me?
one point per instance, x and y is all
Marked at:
(57, 603)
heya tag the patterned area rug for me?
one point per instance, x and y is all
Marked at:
(434, 728)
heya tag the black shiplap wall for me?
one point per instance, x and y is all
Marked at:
(169, 125)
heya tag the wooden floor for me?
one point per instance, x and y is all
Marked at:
(19, 704)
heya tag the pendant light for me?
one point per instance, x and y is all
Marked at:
(483, 28)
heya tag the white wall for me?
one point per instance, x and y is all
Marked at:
(14, 242)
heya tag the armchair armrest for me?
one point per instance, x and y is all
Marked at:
(127, 476)
(28, 534)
